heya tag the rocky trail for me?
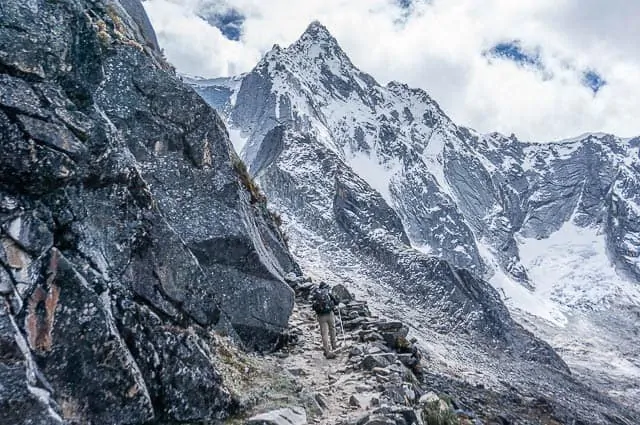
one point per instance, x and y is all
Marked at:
(379, 377)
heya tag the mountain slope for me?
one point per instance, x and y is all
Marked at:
(363, 173)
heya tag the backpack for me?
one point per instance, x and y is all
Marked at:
(322, 301)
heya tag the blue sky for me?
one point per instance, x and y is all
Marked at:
(228, 21)
(542, 69)
(513, 51)
(531, 59)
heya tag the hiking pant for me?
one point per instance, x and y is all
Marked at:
(327, 323)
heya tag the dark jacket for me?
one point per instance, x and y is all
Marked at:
(323, 302)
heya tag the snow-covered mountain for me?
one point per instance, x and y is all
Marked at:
(376, 186)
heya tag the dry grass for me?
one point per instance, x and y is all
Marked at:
(257, 197)
(247, 181)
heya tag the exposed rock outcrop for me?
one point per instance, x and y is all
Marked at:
(127, 234)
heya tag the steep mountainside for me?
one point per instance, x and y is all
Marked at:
(127, 230)
(363, 173)
(138, 258)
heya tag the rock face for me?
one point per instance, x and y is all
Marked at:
(128, 232)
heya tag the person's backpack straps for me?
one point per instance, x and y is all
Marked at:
(323, 301)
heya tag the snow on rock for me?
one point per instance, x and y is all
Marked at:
(571, 267)
(517, 297)
(238, 140)
(375, 171)
(552, 226)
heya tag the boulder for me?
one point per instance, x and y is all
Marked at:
(406, 414)
(376, 361)
(429, 397)
(341, 293)
(380, 420)
(286, 416)
(354, 401)
(395, 394)
(409, 360)
(356, 350)
(370, 336)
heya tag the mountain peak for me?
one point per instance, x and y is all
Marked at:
(317, 36)
(317, 31)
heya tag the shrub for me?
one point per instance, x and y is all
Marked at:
(438, 412)
(247, 181)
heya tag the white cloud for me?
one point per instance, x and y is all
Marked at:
(439, 48)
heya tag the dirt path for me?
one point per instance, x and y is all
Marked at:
(372, 380)
(333, 381)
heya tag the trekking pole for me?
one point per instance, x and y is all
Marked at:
(341, 326)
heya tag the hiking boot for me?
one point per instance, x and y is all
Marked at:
(330, 355)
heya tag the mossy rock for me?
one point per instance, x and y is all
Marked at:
(439, 412)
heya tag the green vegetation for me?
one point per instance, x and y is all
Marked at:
(439, 412)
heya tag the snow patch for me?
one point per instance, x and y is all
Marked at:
(433, 158)
(516, 296)
(571, 268)
(375, 171)
(237, 139)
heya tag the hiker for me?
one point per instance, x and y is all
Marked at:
(323, 304)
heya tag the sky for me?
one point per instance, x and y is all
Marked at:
(541, 69)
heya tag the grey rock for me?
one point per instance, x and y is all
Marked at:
(354, 401)
(362, 388)
(370, 336)
(136, 11)
(322, 401)
(10, 352)
(30, 233)
(341, 293)
(394, 394)
(429, 397)
(380, 420)
(128, 232)
(360, 420)
(409, 393)
(6, 285)
(409, 360)
(356, 351)
(372, 361)
(381, 371)
(53, 135)
(18, 404)
(286, 416)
